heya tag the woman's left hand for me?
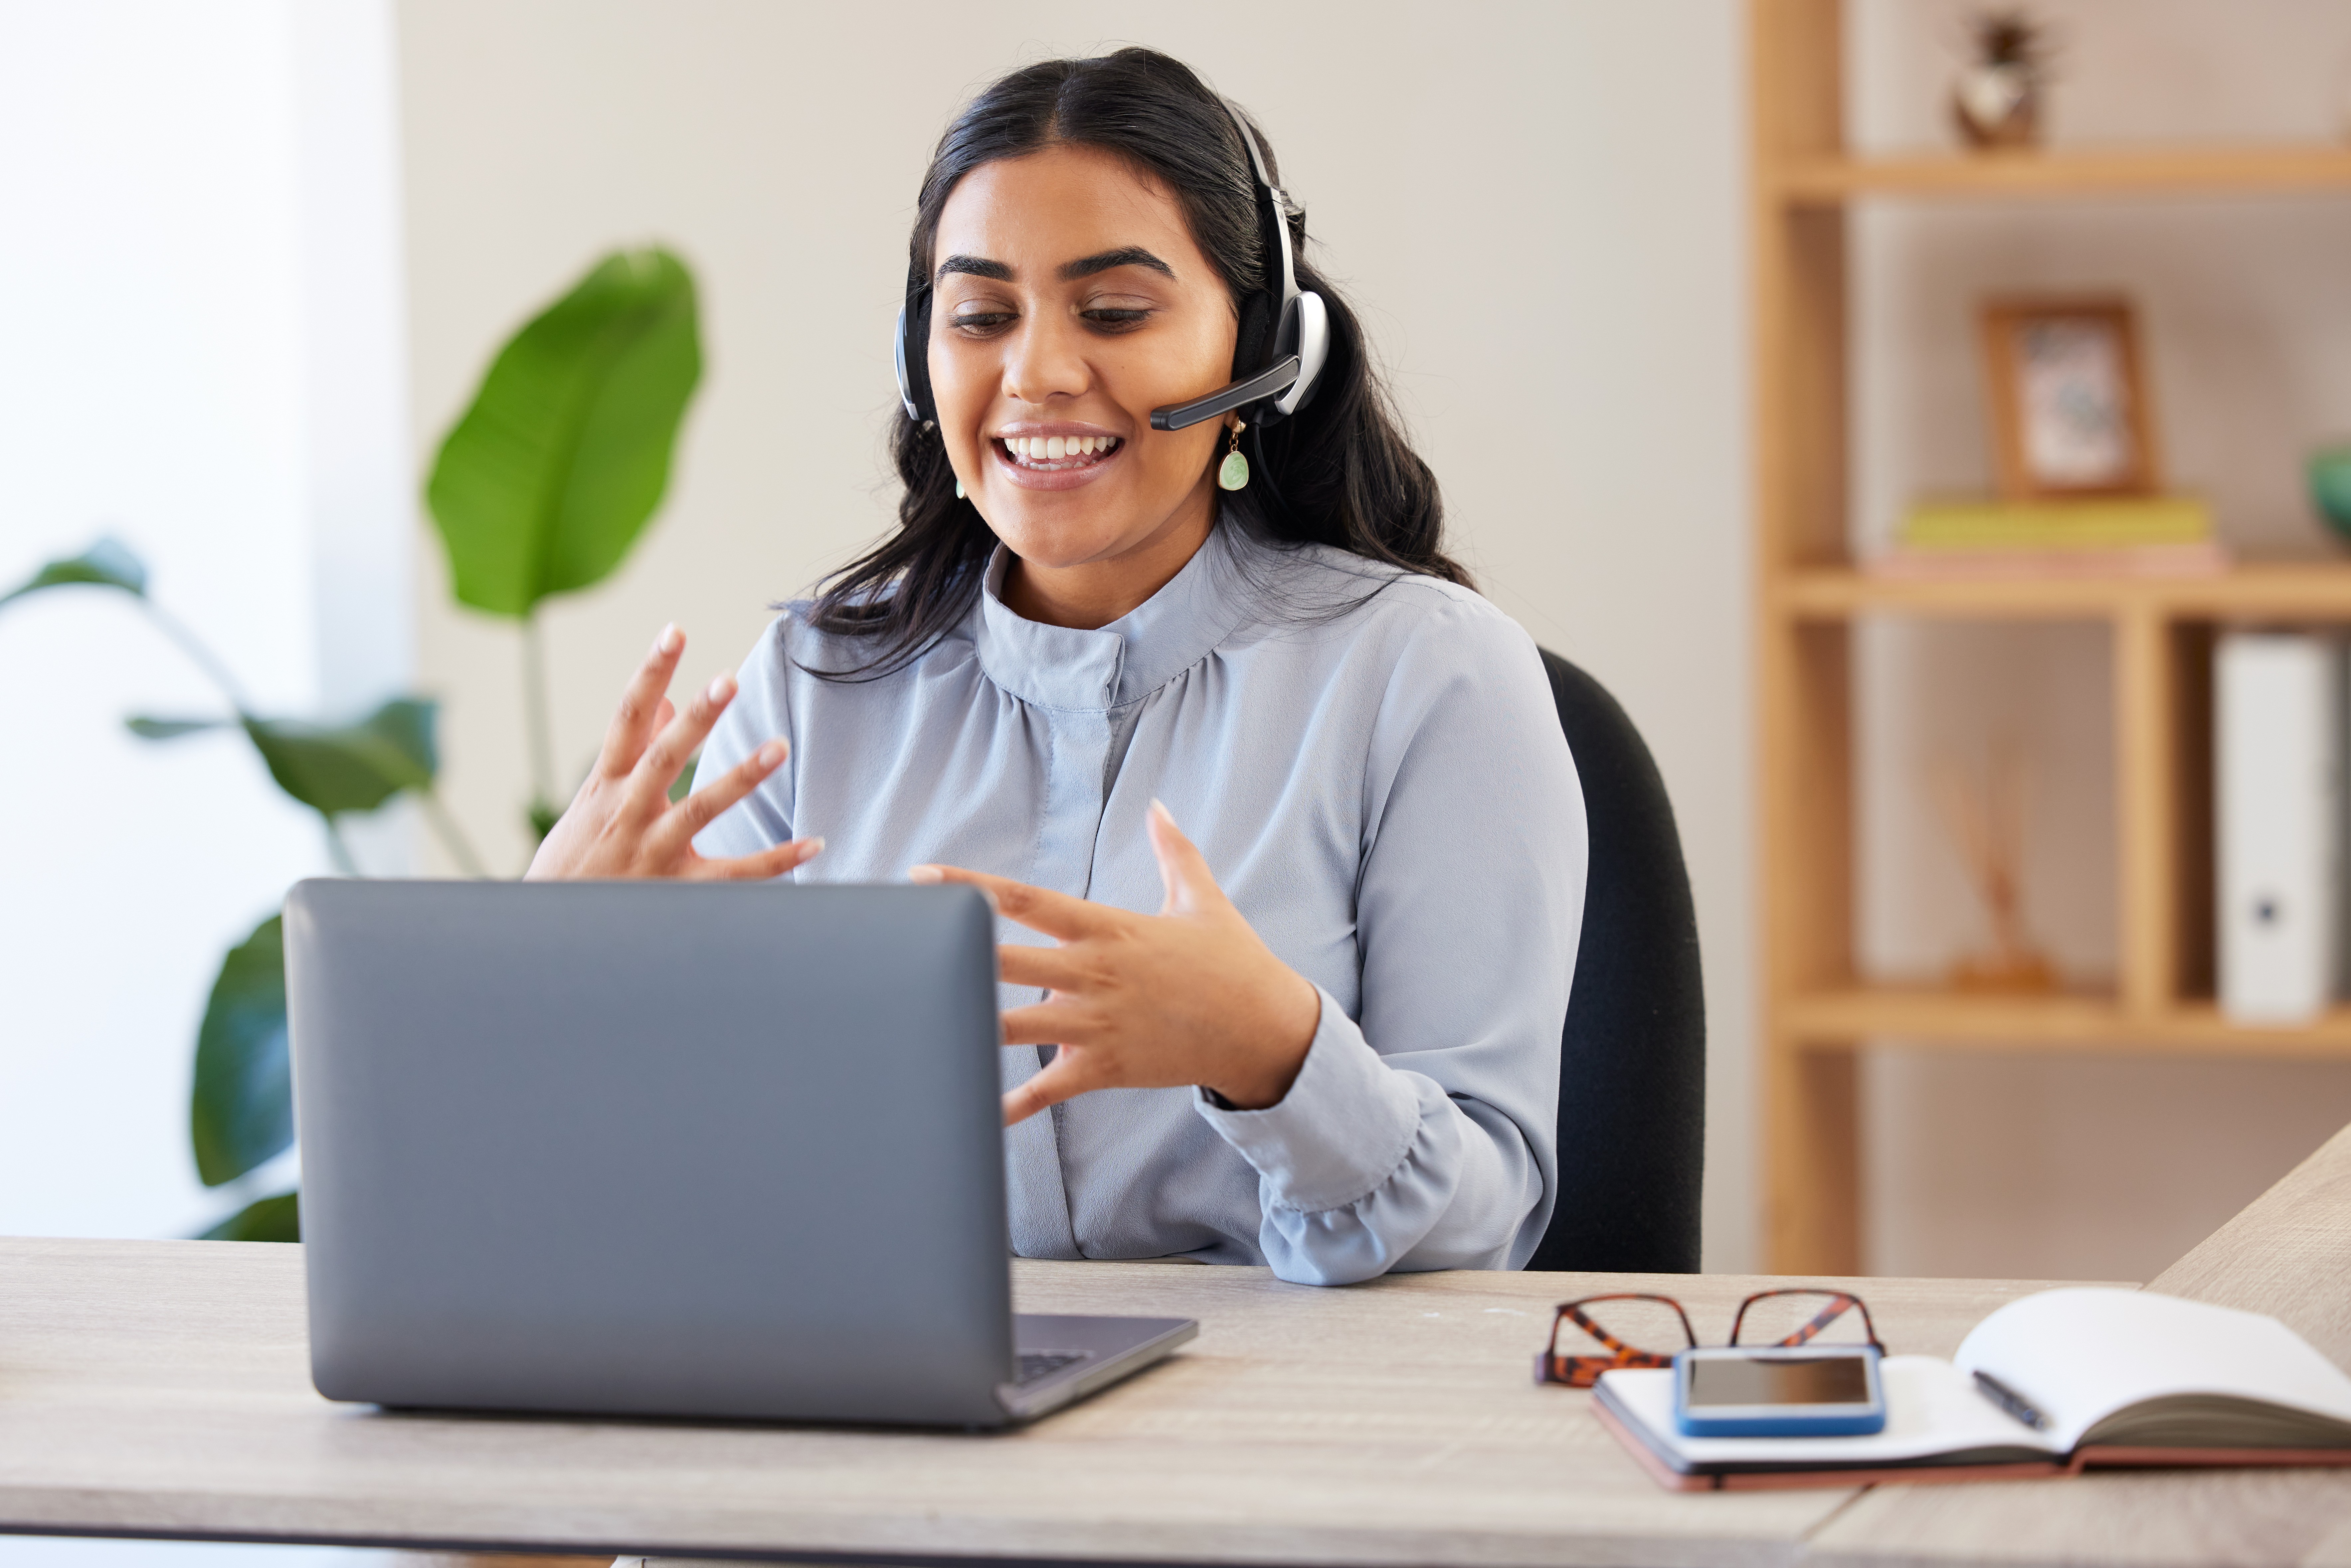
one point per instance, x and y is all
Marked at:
(1188, 995)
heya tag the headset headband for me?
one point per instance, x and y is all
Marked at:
(1275, 197)
(1302, 325)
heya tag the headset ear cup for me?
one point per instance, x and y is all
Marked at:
(1312, 348)
(913, 357)
(898, 361)
(1252, 347)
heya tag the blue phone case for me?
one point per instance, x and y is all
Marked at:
(1786, 1421)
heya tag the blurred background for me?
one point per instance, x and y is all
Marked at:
(261, 252)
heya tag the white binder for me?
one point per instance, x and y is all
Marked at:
(2278, 796)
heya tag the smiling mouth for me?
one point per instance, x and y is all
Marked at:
(1057, 454)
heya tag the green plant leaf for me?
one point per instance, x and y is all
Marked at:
(277, 1219)
(109, 563)
(682, 785)
(241, 1111)
(334, 769)
(147, 729)
(547, 479)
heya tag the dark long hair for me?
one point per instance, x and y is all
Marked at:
(1339, 472)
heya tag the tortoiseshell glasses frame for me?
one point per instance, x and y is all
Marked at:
(1582, 1371)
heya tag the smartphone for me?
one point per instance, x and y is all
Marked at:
(1794, 1391)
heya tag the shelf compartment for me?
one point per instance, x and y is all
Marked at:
(2063, 1023)
(2252, 169)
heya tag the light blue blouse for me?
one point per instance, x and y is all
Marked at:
(1373, 765)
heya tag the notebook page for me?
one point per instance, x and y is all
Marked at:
(1930, 1408)
(2084, 1353)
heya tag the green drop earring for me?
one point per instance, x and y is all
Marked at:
(958, 489)
(1232, 473)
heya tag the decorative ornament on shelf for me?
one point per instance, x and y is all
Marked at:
(2069, 411)
(2330, 486)
(1996, 101)
(1987, 825)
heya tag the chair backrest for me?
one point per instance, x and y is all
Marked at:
(1632, 1078)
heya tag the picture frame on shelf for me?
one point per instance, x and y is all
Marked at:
(2068, 399)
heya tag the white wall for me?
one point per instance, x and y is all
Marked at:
(2060, 1167)
(1537, 205)
(202, 354)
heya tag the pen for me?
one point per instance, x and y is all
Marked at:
(2010, 1400)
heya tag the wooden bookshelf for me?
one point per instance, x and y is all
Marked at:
(1818, 1013)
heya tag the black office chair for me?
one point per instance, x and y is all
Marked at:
(1631, 1060)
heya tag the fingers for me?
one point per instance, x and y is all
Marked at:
(1182, 869)
(765, 866)
(699, 809)
(1055, 1022)
(642, 702)
(665, 760)
(1053, 968)
(1064, 1078)
(1040, 909)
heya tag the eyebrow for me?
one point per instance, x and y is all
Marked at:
(1125, 256)
(1069, 272)
(977, 266)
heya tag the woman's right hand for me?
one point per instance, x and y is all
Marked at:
(622, 822)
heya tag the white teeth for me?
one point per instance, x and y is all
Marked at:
(1056, 448)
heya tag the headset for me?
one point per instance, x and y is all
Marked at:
(1301, 323)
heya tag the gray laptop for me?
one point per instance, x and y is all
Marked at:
(666, 1149)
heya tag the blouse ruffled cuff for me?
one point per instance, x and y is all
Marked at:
(1346, 1126)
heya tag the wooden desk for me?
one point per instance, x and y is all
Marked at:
(163, 1388)
(2288, 1254)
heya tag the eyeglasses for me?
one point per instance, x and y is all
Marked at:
(1620, 1323)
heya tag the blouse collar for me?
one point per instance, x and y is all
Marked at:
(1134, 655)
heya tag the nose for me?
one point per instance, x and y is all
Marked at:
(1044, 359)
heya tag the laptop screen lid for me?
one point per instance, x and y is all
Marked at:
(652, 1148)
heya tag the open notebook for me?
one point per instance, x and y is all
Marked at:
(2121, 1377)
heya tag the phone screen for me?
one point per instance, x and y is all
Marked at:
(1738, 1380)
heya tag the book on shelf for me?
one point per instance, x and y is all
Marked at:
(2112, 1377)
(2128, 536)
(2278, 742)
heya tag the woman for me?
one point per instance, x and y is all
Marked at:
(1334, 1047)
